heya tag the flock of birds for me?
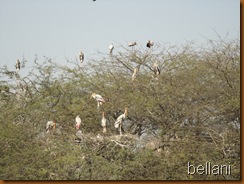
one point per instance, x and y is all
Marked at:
(51, 125)
(81, 56)
(149, 44)
(118, 123)
(111, 48)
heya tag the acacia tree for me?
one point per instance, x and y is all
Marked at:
(190, 112)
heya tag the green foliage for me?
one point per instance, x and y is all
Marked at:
(188, 113)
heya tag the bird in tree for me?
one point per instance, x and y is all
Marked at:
(111, 48)
(77, 122)
(135, 71)
(150, 43)
(132, 43)
(104, 123)
(51, 125)
(119, 121)
(98, 98)
(156, 69)
(17, 65)
(81, 56)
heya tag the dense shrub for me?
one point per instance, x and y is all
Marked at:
(188, 113)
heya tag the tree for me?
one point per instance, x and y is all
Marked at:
(188, 112)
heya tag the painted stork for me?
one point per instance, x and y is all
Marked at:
(81, 56)
(156, 69)
(134, 73)
(119, 121)
(77, 122)
(98, 98)
(104, 123)
(132, 43)
(51, 125)
(150, 43)
(17, 65)
(111, 48)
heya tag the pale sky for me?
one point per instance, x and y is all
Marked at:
(61, 28)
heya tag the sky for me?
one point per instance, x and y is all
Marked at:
(59, 29)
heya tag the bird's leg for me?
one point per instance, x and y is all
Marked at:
(120, 129)
(98, 105)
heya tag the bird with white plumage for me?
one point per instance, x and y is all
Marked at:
(51, 125)
(150, 43)
(77, 122)
(135, 71)
(98, 98)
(118, 124)
(111, 48)
(132, 43)
(156, 69)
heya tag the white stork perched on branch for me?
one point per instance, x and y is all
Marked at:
(119, 121)
(132, 43)
(98, 98)
(104, 123)
(111, 48)
(77, 122)
(51, 125)
(17, 65)
(150, 43)
(81, 56)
